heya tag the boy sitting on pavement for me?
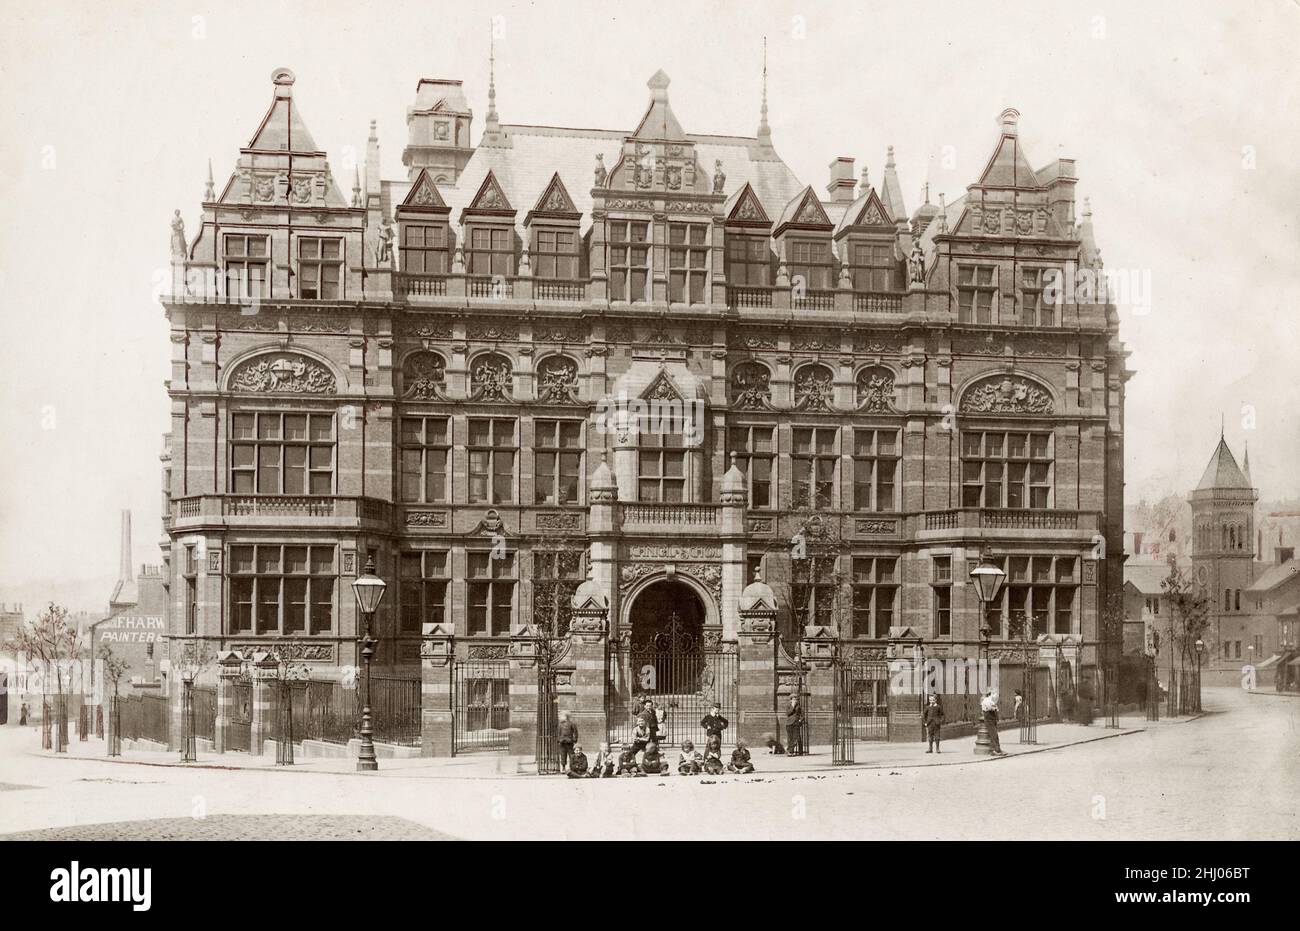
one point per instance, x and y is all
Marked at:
(713, 756)
(689, 760)
(577, 764)
(652, 761)
(740, 762)
(627, 765)
(606, 762)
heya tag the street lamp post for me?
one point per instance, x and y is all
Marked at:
(369, 589)
(987, 578)
(1200, 653)
(189, 752)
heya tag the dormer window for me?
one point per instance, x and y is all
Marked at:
(872, 266)
(491, 251)
(688, 263)
(247, 265)
(749, 260)
(320, 267)
(811, 261)
(424, 249)
(629, 260)
(555, 254)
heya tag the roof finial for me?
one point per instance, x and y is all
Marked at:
(764, 131)
(1087, 208)
(926, 193)
(1222, 421)
(943, 214)
(356, 185)
(889, 156)
(210, 190)
(492, 75)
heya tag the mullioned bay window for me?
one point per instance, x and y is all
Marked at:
(555, 254)
(424, 249)
(871, 266)
(749, 260)
(491, 251)
(282, 589)
(1010, 469)
(274, 453)
(1039, 597)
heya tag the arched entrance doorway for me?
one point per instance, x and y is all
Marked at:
(665, 656)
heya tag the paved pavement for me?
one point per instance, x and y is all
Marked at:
(1232, 773)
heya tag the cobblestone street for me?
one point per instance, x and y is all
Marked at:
(1236, 771)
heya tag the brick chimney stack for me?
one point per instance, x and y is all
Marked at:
(841, 187)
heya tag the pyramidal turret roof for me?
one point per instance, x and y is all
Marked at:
(1223, 471)
(659, 121)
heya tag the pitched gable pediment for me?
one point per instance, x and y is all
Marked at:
(805, 212)
(424, 195)
(490, 200)
(662, 388)
(747, 208)
(554, 202)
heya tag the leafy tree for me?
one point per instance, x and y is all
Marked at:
(1189, 616)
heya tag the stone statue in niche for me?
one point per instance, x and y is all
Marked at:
(719, 177)
(601, 173)
(384, 246)
(178, 235)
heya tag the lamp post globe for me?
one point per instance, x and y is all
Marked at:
(369, 590)
(987, 578)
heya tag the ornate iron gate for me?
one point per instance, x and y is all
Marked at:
(239, 726)
(860, 705)
(480, 705)
(684, 675)
(548, 724)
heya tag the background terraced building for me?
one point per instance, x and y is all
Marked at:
(412, 370)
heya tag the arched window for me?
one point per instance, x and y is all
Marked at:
(1237, 601)
(1227, 599)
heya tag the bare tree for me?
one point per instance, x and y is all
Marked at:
(1189, 615)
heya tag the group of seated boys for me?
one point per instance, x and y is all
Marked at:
(631, 760)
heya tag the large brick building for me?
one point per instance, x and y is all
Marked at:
(438, 370)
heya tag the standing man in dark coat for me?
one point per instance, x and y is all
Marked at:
(714, 723)
(567, 735)
(794, 725)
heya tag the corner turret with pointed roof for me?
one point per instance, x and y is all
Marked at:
(1222, 472)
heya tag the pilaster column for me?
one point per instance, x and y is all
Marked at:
(757, 711)
(523, 690)
(588, 643)
(437, 654)
(818, 650)
(266, 672)
(228, 666)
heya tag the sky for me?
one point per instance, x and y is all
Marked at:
(1182, 117)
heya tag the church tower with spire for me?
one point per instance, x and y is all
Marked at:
(1223, 548)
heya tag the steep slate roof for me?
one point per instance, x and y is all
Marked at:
(283, 130)
(539, 152)
(1146, 577)
(1222, 471)
(1275, 576)
(1008, 167)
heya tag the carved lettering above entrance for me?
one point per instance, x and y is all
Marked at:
(282, 372)
(669, 552)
